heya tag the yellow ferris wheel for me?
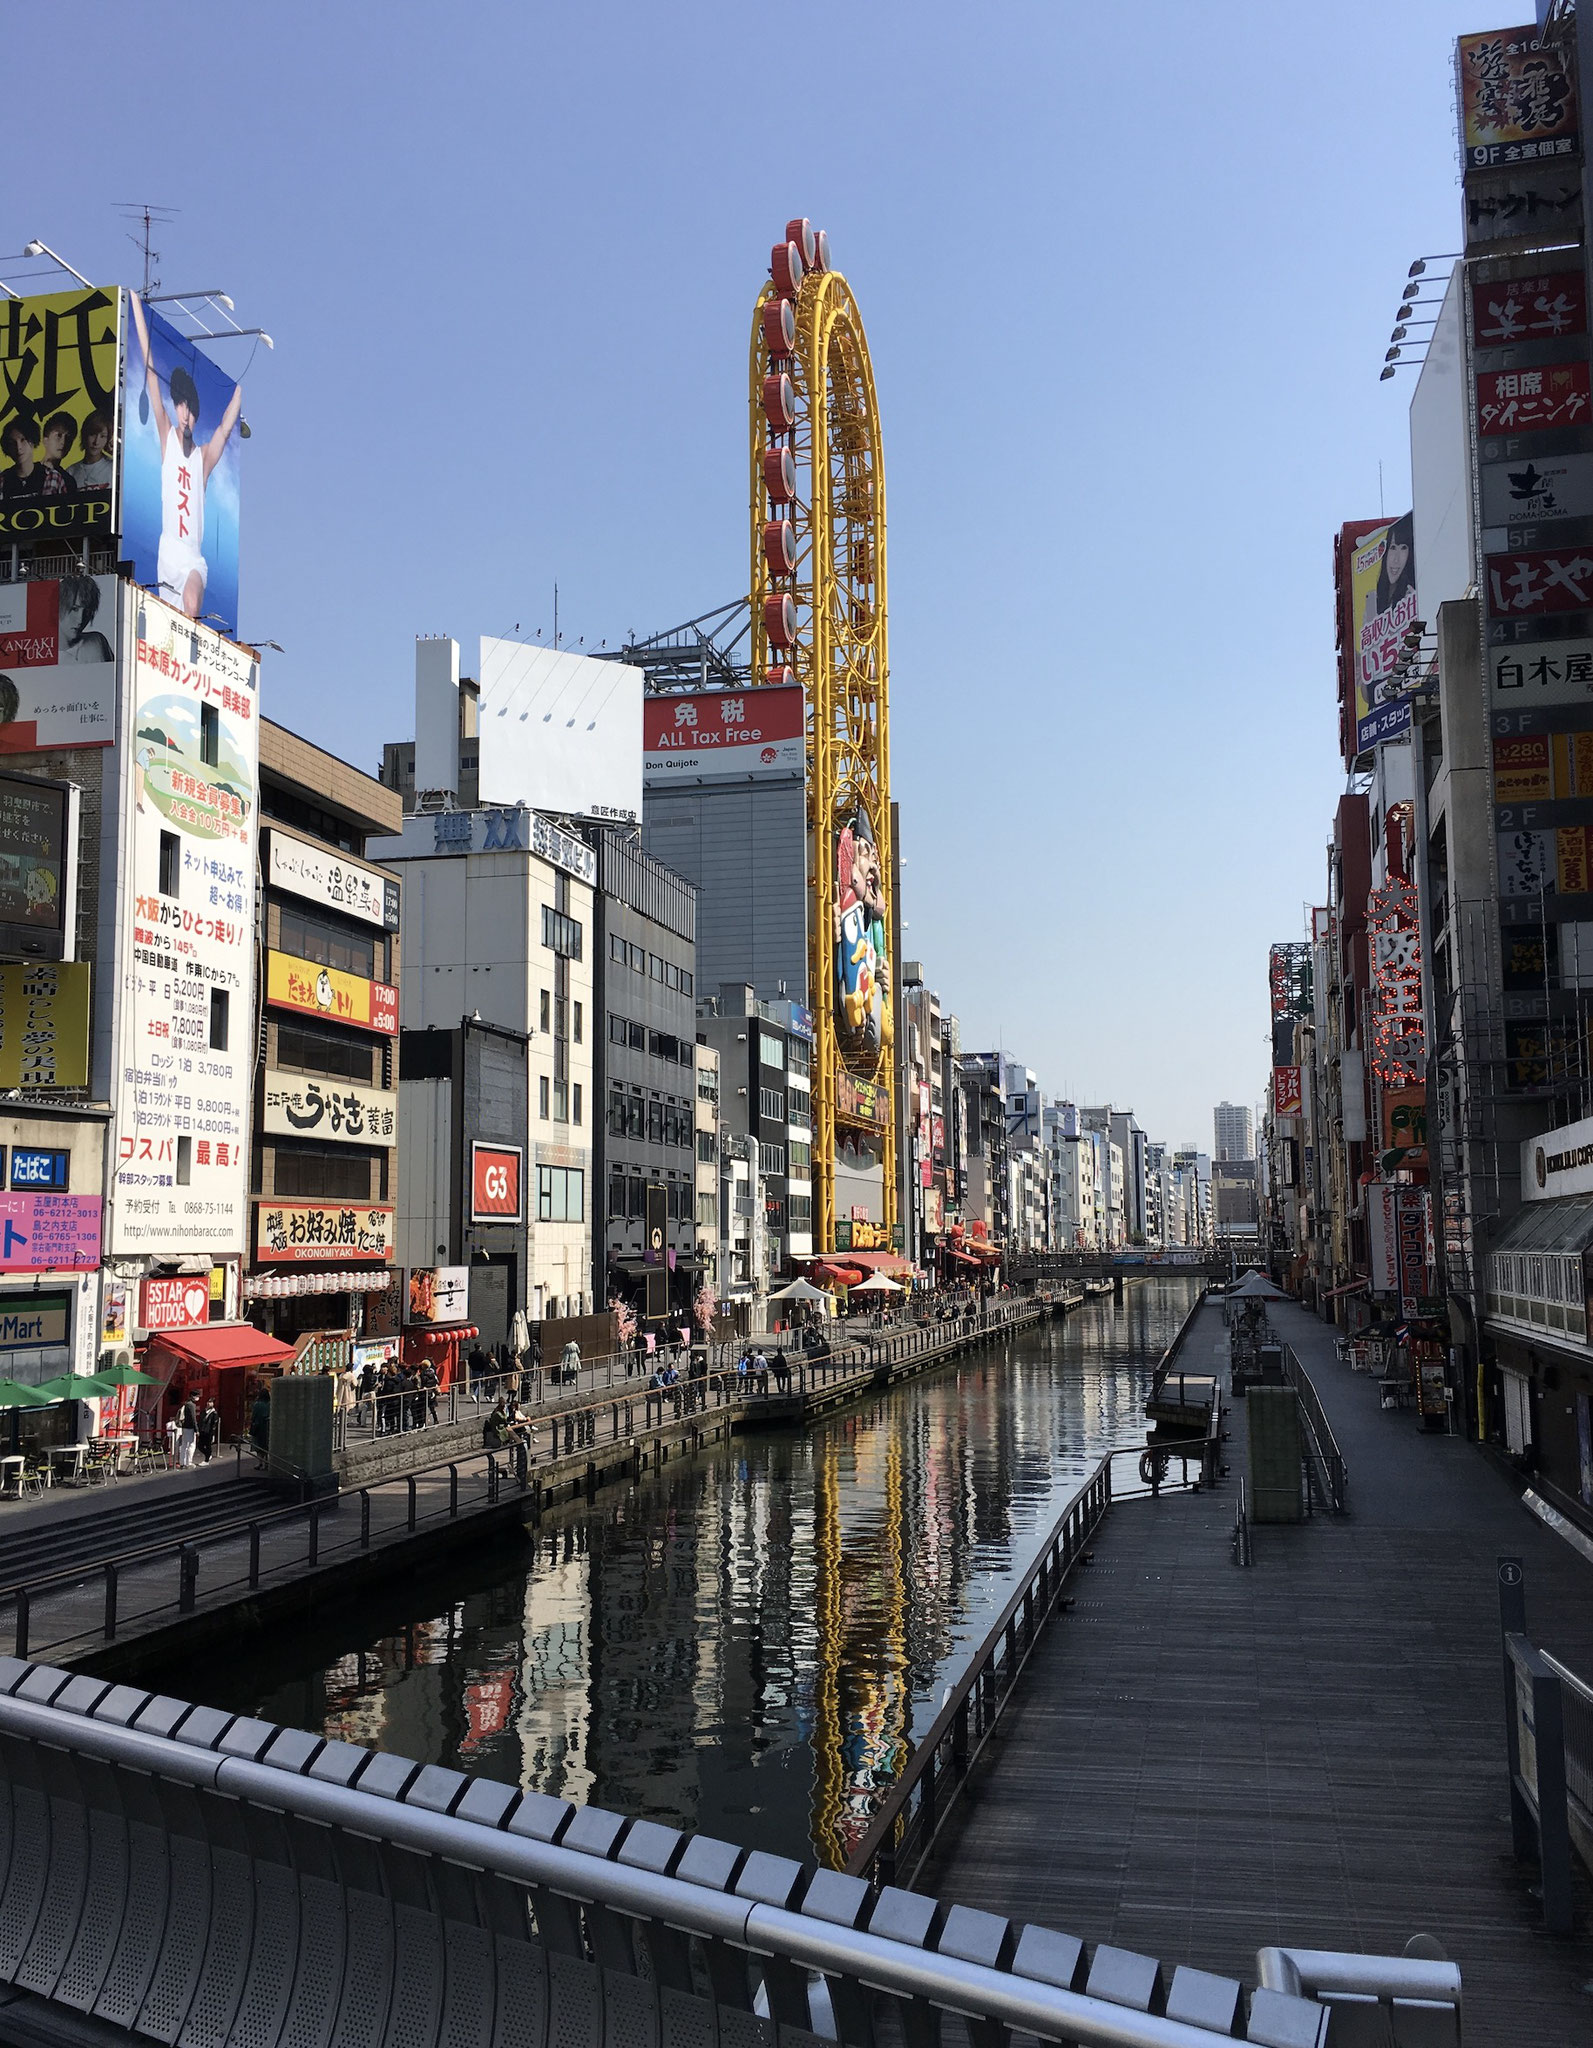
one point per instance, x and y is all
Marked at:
(818, 621)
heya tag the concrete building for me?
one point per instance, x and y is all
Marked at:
(324, 1162)
(766, 1126)
(1233, 1131)
(707, 1164)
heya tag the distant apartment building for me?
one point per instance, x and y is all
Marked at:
(1234, 1131)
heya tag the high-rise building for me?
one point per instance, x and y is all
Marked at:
(1234, 1131)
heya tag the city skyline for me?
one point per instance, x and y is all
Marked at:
(510, 385)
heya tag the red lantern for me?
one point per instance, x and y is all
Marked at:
(779, 475)
(779, 402)
(779, 327)
(785, 267)
(779, 547)
(801, 232)
(779, 619)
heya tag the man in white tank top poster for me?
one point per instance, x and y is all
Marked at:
(185, 466)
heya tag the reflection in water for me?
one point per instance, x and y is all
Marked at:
(747, 1644)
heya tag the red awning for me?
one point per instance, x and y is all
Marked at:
(224, 1344)
(1349, 1287)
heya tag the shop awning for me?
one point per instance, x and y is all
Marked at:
(224, 1344)
(1564, 1227)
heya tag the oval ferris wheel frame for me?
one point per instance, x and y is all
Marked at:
(840, 658)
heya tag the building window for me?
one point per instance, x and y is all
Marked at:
(770, 1052)
(209, 735)
(185, 1161)
(561, 1102)
(638, 959)
(561, 1194)
(219, 1005)
(616, 1029)
(707, 1150)
(323, 937)
(655, 966)
(562, 933)
(800, 1115)
(318, 1049)
(638, 1038)
(771, 1103)
(799, 1057)
(801, 1155)
(685, 981)
(708, 1214)
(616, 1194)
(542, 1097)
(638, 1198)
(170, 863)
(801, 1211)
(332, 1172)
(707, 1085)
(771, 1159)
(616, 948)
(576, 1021)
(545, 1013)
(575, 1102)
(655, 1122)
(616, 1112)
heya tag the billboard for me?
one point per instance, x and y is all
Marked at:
(38, 875)
(321, 875)
(44, 1024)
(723, 733)
(185, 1074)
(1286, 1091)
(1522, 677)
(1378, 585)
(174, 1302)
(49, 1233)
(862, 952)
(1540, 582)
(560, 732)
(1404, 1117)
(1516, 103)
(1528, 401)
(58, 391)
(179, 515)
(1537, 487)
(295, 1233)
(438, 1294)
(341, 1112)
(58, 663)
(1529, 309)
(495, 1183)
(328, 992)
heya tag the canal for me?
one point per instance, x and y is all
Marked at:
(747, 1644)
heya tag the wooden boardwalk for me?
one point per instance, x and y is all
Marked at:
(1205, 1759)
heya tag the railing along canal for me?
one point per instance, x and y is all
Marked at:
(1329, 1458)
(916, 1807)
(255, 1550)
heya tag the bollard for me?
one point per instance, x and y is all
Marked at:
(409, 1522)
(453, 1490)
(187, 1578)
(24, 1605)
(365, 1518)
(254, 1555)
(110, 1599)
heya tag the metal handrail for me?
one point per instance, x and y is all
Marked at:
(914, 1810)
(1323, 1440)
(809, 1948)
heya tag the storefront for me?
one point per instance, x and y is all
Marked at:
(221, 1363)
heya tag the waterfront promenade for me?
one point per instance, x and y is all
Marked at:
(1202, 1758)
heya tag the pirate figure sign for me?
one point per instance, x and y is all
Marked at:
(862, 961)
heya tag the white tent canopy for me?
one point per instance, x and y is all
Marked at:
(1256, 1287)
(878, 1285)
(800, 1290)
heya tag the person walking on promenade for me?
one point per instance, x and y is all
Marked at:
(426, 1406)
(209, 1431)
(187, 1432)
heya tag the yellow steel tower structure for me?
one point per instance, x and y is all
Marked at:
(819, 619)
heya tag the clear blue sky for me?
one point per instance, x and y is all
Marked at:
(1128, 276)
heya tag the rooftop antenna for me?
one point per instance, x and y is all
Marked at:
(555, 614)
(147, 218)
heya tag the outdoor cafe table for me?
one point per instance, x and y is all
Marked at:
(74, 1452)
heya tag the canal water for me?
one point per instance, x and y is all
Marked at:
(748, 1644)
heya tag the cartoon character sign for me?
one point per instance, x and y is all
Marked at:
(862, 958)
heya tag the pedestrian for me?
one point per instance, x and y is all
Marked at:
(570, 1363)
(427, 1381)
(260, 1422)
(187, 1432)
(495, 1430)
(209, 1431)
(478, 1368)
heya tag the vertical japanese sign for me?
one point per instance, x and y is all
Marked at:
(1516, 103)
(180, 470)
(186, 1067)
(58, 390)
(1377, 601)
(1399, 1032)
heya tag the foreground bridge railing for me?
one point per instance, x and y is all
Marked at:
(176, 1873)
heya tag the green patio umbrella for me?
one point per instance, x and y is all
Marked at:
(14, 1395)
(73, 1387)
(125, 1376)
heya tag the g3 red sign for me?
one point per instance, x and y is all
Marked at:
(495, 1183)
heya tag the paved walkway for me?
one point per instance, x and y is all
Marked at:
(1205, 1759)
